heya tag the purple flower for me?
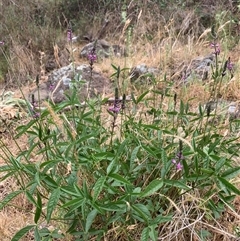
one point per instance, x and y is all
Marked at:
(34, 104)
(229, 65)
(69, 35)
(36, 115)
(216, 48)
(114, 109)
(92, 57)
(177, 161)
(51, 87)
(179, 166)
(1, 42)
(214, 45)
(180, 156)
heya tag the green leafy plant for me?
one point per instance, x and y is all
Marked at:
(158, 171)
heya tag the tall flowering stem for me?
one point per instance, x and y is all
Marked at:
(177, 161)
(34, 111)
(70, 40)
(115, 109)
(215, 75)
(69, 33)
(228, 66)
(92, 58)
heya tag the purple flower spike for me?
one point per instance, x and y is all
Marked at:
(92, 57)
(177, 160)
(51, 87)
(179, 166)
(36, 115)
(69, 35)
(216, 48)
(114, 109)
(229, 65)
(180, 156)
(214, 45)
(174, 161)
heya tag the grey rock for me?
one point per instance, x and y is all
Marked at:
(61, 81)
(199, 68)
(103, 49)
(40, 94)
(224, 107)
(234, 110)
(142, 72)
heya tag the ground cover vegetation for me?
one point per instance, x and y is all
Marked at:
(159, 160)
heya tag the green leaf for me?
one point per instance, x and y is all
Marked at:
(37, 178)
(99, 208)
(30, 198)
(119, 178)
(104, 156)
(152, 188)
(50, 182)
(133, 99)
(166, 164)
(179, 184)
(8, 198)
(38, 208)
(37, 236)
(22, 232)
(134, 156)
(115, 67)
(228, 185)
(52, 202)
(98, 187)
(142, 211)
(70, 191)
(90, 218)
(149, 151)
(161, 219)
(6, 168)
(77, 202)
(231, 173)
(153, 233)
(145, 234)
(111, 166)
(142, 96)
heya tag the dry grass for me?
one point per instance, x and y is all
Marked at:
(167, 52)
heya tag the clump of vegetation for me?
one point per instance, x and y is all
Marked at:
(150, 166)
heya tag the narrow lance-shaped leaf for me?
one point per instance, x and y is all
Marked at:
(38, 208)
(231, 173)
(119, 178)
(134, 156)
(22, 232)
(152, 188)
(98, 187)
(52, 203)
(30, 198)
(37, 236)
(229, 186)
(90, 218)
(145, 234)
(142, 96)
(8, 198)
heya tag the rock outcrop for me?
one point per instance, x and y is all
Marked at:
(103, 49)
(62, 80)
